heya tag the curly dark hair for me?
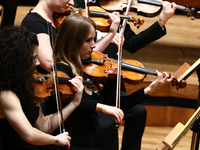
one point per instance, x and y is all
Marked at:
(17, 45)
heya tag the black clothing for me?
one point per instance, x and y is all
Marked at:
(83, 121)
(135, 118)
(37, 24)
(34, 22)
(10, 138)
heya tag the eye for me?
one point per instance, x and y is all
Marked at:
(34, 57)
(89, 40)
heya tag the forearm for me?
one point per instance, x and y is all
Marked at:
(37, 137)
(99, 107)
(53, 119)
(104, 42)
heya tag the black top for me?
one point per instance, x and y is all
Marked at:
(37, 24)
(81, 124)
(8, 135)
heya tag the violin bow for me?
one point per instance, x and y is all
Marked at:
(87, 11)
(122, 29)
(57, 93)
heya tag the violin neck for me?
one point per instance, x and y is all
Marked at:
(61, 80)
(158, 3)
(102, 14)
(137, 69)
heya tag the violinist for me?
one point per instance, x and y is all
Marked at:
(74, 44)
(40, 21)
(135, 117)
(23, 125)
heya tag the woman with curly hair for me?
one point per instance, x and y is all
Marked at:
(22, 122)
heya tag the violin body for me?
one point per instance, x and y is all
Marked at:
(97, 14)
(101, 22)
(140, 8)
(44, 86)
(101, 68)
(108, 70)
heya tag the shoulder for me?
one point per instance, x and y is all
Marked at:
(7, 94)
(35, 23)
(9, 101)
(65, 68)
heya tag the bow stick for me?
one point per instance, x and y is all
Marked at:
(57, 93)
(118, 89)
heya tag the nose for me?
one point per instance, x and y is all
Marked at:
(37, 62)
(71, 2)
(93, 44)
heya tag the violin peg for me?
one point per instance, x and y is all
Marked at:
(192, 18)
(140, 21)
(135, 23)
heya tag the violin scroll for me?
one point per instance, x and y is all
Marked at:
(192, 12)
(181, 84)
(137, 23)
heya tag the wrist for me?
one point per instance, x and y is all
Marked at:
(55, 141)
(147, 91)
(99, 107)
(75, 103)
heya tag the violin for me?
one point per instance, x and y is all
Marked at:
(147, 8)
(44, 85)
(101, 68)
(121, 5)
(98, 15)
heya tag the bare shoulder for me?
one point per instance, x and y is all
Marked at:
(8, 101)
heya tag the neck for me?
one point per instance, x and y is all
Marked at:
(44, 9)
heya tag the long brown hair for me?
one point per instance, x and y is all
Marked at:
(71, 36)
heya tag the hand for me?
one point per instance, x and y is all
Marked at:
(166, 13)
(115, 20)
(118, 39)
(63, 139)
(161, 79)
(115, 112)
(77, 82)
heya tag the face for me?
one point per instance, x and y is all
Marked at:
(88, 45)
(62, 5)
(35, 57)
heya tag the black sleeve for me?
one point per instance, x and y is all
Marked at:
(127, 101)
(135, 98)
(135, 42)
(88, 104)
(35, 23)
